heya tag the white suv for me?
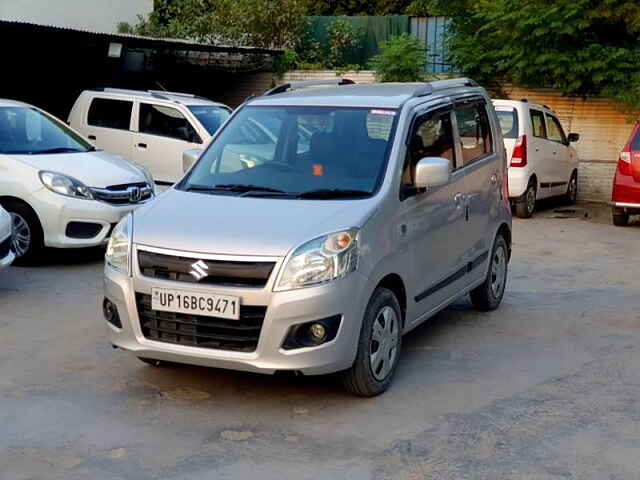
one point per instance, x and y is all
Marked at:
(6, 252)
(151, 128)
(542, 163)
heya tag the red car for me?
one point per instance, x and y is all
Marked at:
(625, 199)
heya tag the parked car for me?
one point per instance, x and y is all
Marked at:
(542, 163)
(151, 128)
(625, 198)
(60, 191)
(6, 250)
(317, 260)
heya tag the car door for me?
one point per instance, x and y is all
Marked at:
(561, 156)
(482, 180)
(540, 154)
(433, 220)
(108, 125)
(164, 133)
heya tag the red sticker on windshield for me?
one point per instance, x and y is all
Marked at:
(317, 169)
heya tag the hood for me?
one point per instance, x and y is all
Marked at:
(230, 225)
(5, 224)
(94, 169)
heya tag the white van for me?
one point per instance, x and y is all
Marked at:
(542, 162)
(150, 128)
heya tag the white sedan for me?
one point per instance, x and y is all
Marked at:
(6, 252)
(60, 190)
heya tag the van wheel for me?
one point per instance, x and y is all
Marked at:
(378, 347)
(28, 239)
(572, 189)
(488, 295)
(527, 205)
(620, 217)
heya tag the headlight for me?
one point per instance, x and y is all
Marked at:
(321, 260)
(64, 185)
(119, 248)
(147, 175)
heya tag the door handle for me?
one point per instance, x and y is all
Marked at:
(142, 145)
(555, 153)
(91, 137)
(493, 179)
(458, 199)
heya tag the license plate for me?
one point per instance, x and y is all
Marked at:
(195, 303)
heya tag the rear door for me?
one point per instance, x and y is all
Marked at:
(561, 157)
(164, 133)
(108, 123)
(540, 156)
(482, 180)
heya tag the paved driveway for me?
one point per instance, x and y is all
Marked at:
(548, 387)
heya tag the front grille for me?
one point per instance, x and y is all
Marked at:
(121, 194)
(5, 247)
(223, 273)
(199, 331)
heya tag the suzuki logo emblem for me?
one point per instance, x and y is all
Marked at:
(199, 270)
(135, 194)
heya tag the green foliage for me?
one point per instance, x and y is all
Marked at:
(261, 23)
(358, 7)
(285, 62)
(401, 59)
(343, 37)
(581, 47)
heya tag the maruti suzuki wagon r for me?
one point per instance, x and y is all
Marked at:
(368, 210)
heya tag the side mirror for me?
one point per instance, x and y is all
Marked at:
(189, 157)
(573, 137)
(432, 172)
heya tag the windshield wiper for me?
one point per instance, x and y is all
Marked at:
(234, 187)
(57, 150)
(334, 193)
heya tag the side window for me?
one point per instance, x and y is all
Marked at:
(166, 122)
(432, 137)
(105, 112)
(555, 131)
(537, 124)
(475, 131)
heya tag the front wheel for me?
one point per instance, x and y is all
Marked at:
(488, 295)
(378, 347)
(572, 189)
(28, 238)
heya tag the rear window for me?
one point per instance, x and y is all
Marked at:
(508, 123)
(105, 112)
(635, 143)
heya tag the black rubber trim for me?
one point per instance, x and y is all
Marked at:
(457, 275)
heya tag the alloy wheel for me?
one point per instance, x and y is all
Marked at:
(498, 271)
(531, 199)
(384, 343)
(21, 235)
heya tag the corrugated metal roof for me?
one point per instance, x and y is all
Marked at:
(177, 43)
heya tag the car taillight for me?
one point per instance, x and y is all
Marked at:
(625, 156)
(519, 157)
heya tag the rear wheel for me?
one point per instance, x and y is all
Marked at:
(488, 295)
(527, 204)
(378, 347)
(572, 189)
(28, 239)
(620, 217)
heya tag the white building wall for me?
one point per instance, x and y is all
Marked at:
(93, 15)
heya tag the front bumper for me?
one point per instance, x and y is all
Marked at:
(284, 309)
(56, 211)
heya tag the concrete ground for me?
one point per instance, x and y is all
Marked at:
(547, 387)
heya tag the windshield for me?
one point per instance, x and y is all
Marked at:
(25, 130)
(210, 117)
(297, 151)
(508, 123)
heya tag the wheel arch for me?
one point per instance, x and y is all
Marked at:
(394, 282)
(505, 232)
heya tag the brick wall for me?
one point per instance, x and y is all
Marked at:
(603, 129)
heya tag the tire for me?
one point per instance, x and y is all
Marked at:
(371, 374)
(28, 241)
(620, 217)
(488, 295)
(526, 206)
(152, 362)
(572, 190)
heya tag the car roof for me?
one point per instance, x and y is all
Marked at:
(5, 102)
(156, 95)
(516, 103)
(371, 95)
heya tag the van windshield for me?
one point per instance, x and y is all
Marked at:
(211, 117)
(27, 131)
(301, 152)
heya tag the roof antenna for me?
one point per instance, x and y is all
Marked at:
(160, 85)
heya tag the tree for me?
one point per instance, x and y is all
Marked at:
(401, 59)
(261, 23)
(582, 47)
(358, 7)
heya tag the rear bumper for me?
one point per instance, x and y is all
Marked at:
(626, 191)
(626, 205)
(518, 182)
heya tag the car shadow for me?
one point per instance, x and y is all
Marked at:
(52, 257)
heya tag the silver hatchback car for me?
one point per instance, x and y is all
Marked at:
(319, 226)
